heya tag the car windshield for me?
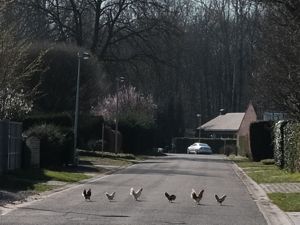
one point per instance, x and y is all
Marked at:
(200, 144)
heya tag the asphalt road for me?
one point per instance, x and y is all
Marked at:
(176, 174)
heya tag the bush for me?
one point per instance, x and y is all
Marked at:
(230, 149)
(106, 154)
(89, 128)
(291, 147)
(268, 161)
(137, 138)
(180, 144)
(261, 143)
(58, 119)
(56, 144)
(278, 142)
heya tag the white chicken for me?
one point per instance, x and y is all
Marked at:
(111, 196)
(136, 194)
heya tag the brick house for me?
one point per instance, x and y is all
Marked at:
(234, 126)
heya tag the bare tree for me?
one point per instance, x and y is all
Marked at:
(278, 75)
(16, 99)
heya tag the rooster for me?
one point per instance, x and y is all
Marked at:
(195, 197)
(136, 194)
(110, 196)
(171, 198)
(87, 194)
(220, 200)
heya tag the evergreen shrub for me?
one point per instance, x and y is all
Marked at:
(89, 128)
(261, 143)
(59, 119)
(292, 147)
(278, 142)
(56, 144)
(137, 138)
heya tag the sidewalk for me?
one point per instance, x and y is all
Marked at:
(271, 212)
(284, 188)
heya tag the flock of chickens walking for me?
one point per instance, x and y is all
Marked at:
(171, 197)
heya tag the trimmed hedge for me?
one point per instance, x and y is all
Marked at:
(292, 147)
(56, 144)
(59, 119)
(219, 146)
(89, 128)
(278, 142)
(261, 140)
(137, 138)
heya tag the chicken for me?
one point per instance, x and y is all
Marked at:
(87, 194)
(136, 194)
(220, 200)
(110, 196)
(195, 197)
(171, 198)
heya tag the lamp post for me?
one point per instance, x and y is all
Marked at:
(80, 55)
(199, 124)
(119, 80)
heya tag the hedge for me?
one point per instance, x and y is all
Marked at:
(218, 146)
(137, 139)
(291, 147)
(56, 144)
(89, 128)
(261, 142)
(59, 119)
(278, 142)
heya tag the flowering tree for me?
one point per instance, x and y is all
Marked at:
(16, 70)
(132, 105)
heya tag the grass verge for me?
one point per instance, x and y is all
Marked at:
(288, 202)
(262, 173)
(35, 179)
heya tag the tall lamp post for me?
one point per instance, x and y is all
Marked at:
(84, 56)
(199, 124)
(119, 80)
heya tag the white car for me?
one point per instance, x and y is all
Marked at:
(198, 148)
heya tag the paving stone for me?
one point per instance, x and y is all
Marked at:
(281, 187)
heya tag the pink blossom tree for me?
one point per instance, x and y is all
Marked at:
(132, 105)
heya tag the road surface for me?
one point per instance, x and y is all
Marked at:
(176, 174)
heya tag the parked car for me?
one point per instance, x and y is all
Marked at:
(199, 148)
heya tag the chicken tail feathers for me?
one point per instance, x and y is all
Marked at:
(131, 191)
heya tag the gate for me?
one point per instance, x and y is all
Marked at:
(10, 145)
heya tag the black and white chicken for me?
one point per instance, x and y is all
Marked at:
(136, 194)
(220, 199)
(195, 197)
(111, 196)
(87, 194)
(171, 198)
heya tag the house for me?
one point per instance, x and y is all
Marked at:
(231, 126)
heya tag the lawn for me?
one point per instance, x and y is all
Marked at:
(89, 164)
(289, 202)
(35, 179)
(262, 173)
(108, 158)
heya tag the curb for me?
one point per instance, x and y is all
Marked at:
(38, 197)
(271, 212)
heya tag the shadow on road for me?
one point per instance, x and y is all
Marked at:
(71, 212)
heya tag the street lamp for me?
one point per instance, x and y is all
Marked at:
(119, 80)
(84, 56)
(199, 124)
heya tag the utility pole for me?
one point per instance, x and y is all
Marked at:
(119, 80)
